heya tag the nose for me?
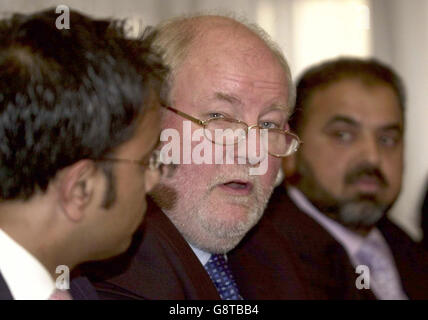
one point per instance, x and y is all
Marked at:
(370, 150)
(253, 149)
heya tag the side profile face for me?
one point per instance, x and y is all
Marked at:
(351, 161)
(232, 73)
(132, 181)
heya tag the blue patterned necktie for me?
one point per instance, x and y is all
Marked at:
(222, 277)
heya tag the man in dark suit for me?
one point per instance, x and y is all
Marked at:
(341, 183)
(79, 120)
(224, 75)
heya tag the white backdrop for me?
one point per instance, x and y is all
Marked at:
(395, 31)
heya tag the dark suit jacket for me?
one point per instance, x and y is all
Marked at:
(4, 290)
(326, 268)
(80, 288)
(161, 265)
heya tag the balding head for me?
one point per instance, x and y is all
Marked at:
(177, 38)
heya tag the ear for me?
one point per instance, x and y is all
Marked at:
(76, 188)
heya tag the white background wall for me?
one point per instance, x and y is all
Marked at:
(400, 37)
(395, 31)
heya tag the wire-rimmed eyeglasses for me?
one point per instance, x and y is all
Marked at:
(281, 143)
(152, 163)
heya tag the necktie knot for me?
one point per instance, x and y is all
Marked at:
(221, 275)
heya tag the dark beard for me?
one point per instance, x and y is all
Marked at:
(359, 213)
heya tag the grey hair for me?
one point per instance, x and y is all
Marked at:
(176, 35)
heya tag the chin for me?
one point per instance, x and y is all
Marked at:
(220, 245)
(361, 214)
(232, 215)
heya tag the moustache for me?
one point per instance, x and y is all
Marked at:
(366, 170)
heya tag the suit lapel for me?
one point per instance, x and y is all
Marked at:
(325, 263)
(5, 293)
(159, 265)
(410, 259)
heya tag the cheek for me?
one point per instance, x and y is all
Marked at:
(190, 178)
(393, 170)
(169, 121)
(268, 179)
(328, 164)
(132, 189)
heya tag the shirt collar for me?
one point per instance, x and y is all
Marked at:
(350, 240)
(25, 276)
(203, 256)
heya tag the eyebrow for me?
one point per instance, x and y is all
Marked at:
(344, 119)
(352, 122)
(228, 98)
(392, 127)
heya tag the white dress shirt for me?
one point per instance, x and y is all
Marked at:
(25, 276)
(203, 256)
(352, 242)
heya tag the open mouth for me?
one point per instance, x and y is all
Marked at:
(237, 186)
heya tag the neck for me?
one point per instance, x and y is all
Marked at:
(361, 230)
(38, 230)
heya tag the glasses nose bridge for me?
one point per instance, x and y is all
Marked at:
(248, 128)
(252, 126)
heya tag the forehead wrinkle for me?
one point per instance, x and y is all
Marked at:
(269, 85)
(235, 100)
(262, 84)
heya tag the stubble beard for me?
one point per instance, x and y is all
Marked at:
(195, 216)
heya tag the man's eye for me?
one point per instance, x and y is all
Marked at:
(344, 136)
(268, 125)
(215, 115)
(388, 141)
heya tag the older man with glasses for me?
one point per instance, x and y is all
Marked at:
(230, 82)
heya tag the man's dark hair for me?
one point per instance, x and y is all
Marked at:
(67, 95)
(370, 72)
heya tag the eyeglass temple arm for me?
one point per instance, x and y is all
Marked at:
(184, 115)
